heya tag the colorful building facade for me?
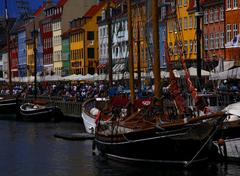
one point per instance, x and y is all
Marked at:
(213, 30)
(181, 25)
(14, 56)
(77, 55)
(22, 53)
(232, 31)
(65, 54)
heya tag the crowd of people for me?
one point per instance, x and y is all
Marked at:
(74, 91)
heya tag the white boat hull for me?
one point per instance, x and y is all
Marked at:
(89, 123)
(233, 148)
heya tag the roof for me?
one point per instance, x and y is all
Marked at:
(61, 3)
(192, 5)
(40, 10)
(94, 9)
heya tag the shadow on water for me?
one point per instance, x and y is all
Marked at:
(106, 167)
(31, 149)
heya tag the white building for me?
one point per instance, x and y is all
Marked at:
(119, 42)
(57, 46)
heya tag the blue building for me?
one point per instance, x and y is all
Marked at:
(22, 54)
(162, 33)
(39, 54)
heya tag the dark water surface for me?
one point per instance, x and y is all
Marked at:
(30, 149)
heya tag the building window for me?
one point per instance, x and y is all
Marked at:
(229, 4)
(206, 42)
(205, 17)
(228, 32)
(185, 47)
(222, 40)
(195, 46)
(163, 13)
(91, 53)
(235, 4)
(185, 23)
(221, 14)
(175, 48)
(185, 3)
(195, 22)
(90, 35)
(180, 3)
(216, 40)
(190, 46)
(216, 15)
(190, 22)
(170, 48)
(235, 30)
(211, 16)
(180, 23)
(211, 41)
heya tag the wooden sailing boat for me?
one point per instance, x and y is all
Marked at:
(144, 136)
(8, 105)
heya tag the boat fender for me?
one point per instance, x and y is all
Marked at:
(98, 117)
(185, 120)
(221, 142)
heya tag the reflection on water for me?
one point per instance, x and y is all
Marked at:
(31, 149)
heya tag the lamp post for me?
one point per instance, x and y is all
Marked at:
(8, 48)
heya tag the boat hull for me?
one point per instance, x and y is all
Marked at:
(51, 113)
(8, 106)
(89, 123)
(154, 146)
(229, 148)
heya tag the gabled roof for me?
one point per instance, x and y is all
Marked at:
(39, 10)
(94, 9)
(192, 5)
(61, 3)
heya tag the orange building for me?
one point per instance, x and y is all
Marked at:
(232, 31)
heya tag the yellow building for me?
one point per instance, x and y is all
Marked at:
(84, 41)
(76, 49)
(184, 12)
(30, 58)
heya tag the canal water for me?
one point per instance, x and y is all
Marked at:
(30, 149)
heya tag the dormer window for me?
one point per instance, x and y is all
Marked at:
(103, 15)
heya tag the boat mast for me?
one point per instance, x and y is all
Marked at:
(35, 59)
(130, 56)
(8, 47)
(109, 24)
(156, 53)
(138, 58)
(198, 40)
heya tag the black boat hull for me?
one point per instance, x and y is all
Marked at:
(8, 106)
(154, 146)
(51, 113)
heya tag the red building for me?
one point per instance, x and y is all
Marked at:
(232, 31)
(46, 31)
(213, 30)
(14, 56)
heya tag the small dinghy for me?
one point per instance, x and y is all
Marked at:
(40, 113)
